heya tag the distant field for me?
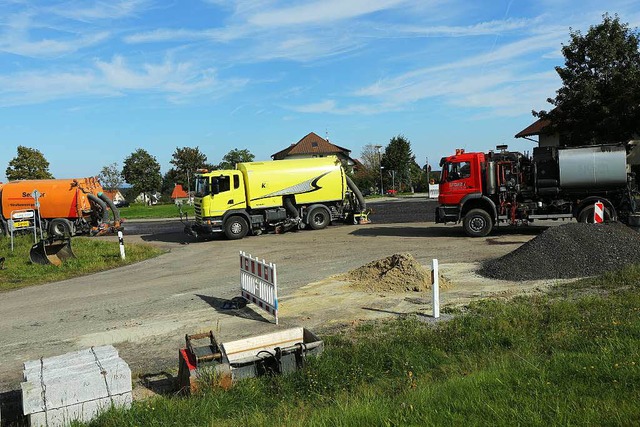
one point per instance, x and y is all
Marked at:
(141, 211)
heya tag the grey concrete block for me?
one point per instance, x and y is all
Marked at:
(75, 386)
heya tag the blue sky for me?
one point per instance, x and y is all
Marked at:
(88, 82)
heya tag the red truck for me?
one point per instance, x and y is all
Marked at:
(482, 190)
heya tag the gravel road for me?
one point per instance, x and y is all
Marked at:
(145, 309)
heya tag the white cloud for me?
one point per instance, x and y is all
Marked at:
(99, 9)
(322, 11)
(177, 81)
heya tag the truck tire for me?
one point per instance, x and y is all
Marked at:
(60, 227)
(318, 218)
(235, 228)
(586, 214)
(477, 223)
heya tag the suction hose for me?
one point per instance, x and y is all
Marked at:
(353, 187)
(291, 208)
(105, 213)
(109, 202)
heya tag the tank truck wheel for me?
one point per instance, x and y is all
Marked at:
(586, 214)
(60, 227)
(236, 228)
(319, 218)
(477, 223)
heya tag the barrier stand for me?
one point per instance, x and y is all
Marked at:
(435, 288)
(259, 283)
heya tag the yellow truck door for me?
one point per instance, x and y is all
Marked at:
(230, 195)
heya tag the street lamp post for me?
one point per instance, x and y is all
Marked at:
(378, 147)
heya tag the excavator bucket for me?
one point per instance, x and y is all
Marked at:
(51, 252)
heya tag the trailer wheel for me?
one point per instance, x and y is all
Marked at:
(477, 223)
(60, 227)
(319, 218)
(236, 228)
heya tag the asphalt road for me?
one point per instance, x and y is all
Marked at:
(387, 211)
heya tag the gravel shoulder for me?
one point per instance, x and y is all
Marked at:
(146, 309)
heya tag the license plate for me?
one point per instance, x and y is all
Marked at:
(21, 224)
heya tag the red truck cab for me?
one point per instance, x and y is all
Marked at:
(461, 196)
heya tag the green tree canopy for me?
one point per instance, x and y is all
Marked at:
(169, 180)
(111, 177)
(142, 171)
(186, 161)
(235, 156)
(28, 164)
(398, 159)
(599, 101)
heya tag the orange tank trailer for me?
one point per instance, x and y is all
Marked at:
(74, 205)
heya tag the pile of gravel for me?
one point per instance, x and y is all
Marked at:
(569, 251)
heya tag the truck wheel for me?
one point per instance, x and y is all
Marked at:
(318, 218)
(586, 214)
(236, 228)
(60, 227)
(477, 223)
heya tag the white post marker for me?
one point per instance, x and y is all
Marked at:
(598, 212)
(121, 240)
(436, 288)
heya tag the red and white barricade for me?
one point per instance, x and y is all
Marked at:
(259, 283)
(598, 212)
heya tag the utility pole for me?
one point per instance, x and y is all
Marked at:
(378, 147)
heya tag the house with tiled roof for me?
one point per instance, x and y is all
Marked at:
(313, 145)
(179, 195)
(114, 195)
(538, 128)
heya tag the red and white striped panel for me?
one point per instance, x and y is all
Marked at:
(598, 212)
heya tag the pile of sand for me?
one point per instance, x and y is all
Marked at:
(396, 273)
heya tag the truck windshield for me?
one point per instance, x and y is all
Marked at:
(453, 171)
(202, 186)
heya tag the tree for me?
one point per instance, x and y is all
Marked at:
(599, 101)
(370, 157)
(142, 171)
(235, 156)
(398, 160)
(111, 177)
(28, 164)
(186, 161)
(169, 180)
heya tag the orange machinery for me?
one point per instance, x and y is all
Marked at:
(67, 206)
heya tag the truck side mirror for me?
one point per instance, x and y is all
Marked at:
(215, 187)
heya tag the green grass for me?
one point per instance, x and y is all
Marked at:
(569, 357)
(142, 211)
(92, 255)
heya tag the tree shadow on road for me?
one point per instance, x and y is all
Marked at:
(232, 308)
(453, 231)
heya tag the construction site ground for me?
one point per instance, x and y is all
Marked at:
(146, 309)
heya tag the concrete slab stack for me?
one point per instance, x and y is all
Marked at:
(75, 386)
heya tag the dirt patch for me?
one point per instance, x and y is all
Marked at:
(569, 251)
(396, 273)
